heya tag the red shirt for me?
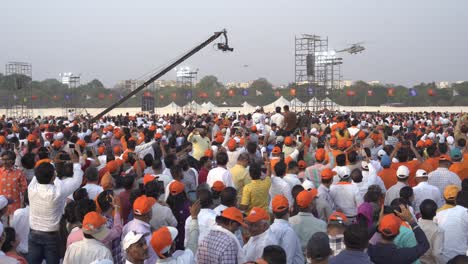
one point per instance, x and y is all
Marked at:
(125, 204)
(202, 175)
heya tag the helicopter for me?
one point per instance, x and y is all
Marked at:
(354, 48)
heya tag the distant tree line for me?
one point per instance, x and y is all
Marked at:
(52, 93)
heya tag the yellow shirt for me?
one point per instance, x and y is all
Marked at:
(199, 145)
(240, 178)
(255, 194)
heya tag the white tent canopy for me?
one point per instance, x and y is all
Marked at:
(296, 102)
(209, 105)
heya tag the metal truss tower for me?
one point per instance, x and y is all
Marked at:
(19, 102)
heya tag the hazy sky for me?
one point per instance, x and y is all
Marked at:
(407, 41)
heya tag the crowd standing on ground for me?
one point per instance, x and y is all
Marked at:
(329, 187)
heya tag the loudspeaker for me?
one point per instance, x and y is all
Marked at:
(310, 62)
(147, 104)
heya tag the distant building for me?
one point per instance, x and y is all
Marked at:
(69, 79)
(346, 83)
(443, 85)
(374, 82)
(242, 85)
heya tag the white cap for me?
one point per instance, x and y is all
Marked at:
(364, 165)
(450, 140)
(4, 202)
(431, 135)
(102, 261)
(308, 185)
(279, 139)
(257, 108)
(421, 173)
(402, 172)
(174, 234)
(314, 131)
(1, 228)
(381, 153)
(130, 239)
(59, 136)
(343, 172)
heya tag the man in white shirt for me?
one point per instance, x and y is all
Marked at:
(394, 191)
(285, 235)
(291, 174)
(260, 234)
(135, 248)
(278, 185)
(206, 217)
(424, 190)
(91, 186)
(435, 235)
(346, 195)
(90, 248)
(442, 176)
(278, 118)
(220, 173)
(454, 222)
(47, 196)
(20, 223)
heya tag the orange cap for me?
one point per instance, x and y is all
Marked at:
(327, 173)
(152, 128)
(254, 128)
(320, 154)
(450, 192)
(420, 144)
(232, 144)
(94, 224)
(390, 225)
(219, 139)
(338, 217)
(304, 198)
(176, 187)
(112, 166)
(117, 134)
(233, 214)
(218, 186)
(333, 141)
(302, 164)
(428, 142)
(276, 150)
(119, 162)
(157, 136)
(257, 214)
(288, 141)
(279, 203)
(167, 127)
(2, 140)
(209, 153)
(342, 143)
(117, 150)
(162, 239)
(101, 150)
(142, 205)
(148, 178)
(32, 138)
(81, 143)
(349, 143)
(444, 157)
(361, 135)
(57, 144)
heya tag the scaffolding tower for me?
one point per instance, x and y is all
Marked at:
(318, 70)
(19, 101)
(72, 103)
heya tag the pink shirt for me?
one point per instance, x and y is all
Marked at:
(75, 235)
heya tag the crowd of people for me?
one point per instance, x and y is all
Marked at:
(328, 187)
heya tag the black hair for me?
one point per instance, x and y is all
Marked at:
(292, 165)
(127, 181)
(280, 169)
(428, 209)
(443, 148)
(274, 254)
(228, 196)
(69, 212)
(79, 194)
(252, 147)
(64, 169)
(170, 160)
(205, 196)
(352, 156)
(255, 171)
(341, 160)
(224, 221)
(148, 159)
(278, 109)
(286, 108)
(28, 161)
(177, 173)
(134, 195)
(10, 238)
(131, 144)
(356, 237)
(44, 173)
(83, 207)
(104, 201)
(222, 158)
(462, 198)
(279, 215)
(461, 142)
(356, 175)
(406, 193)
(11, 155)
(464, 184)
(156, 164)
(460, 259)
(154, 189)
(91, 174)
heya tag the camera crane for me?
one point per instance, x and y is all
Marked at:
(223, 46)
